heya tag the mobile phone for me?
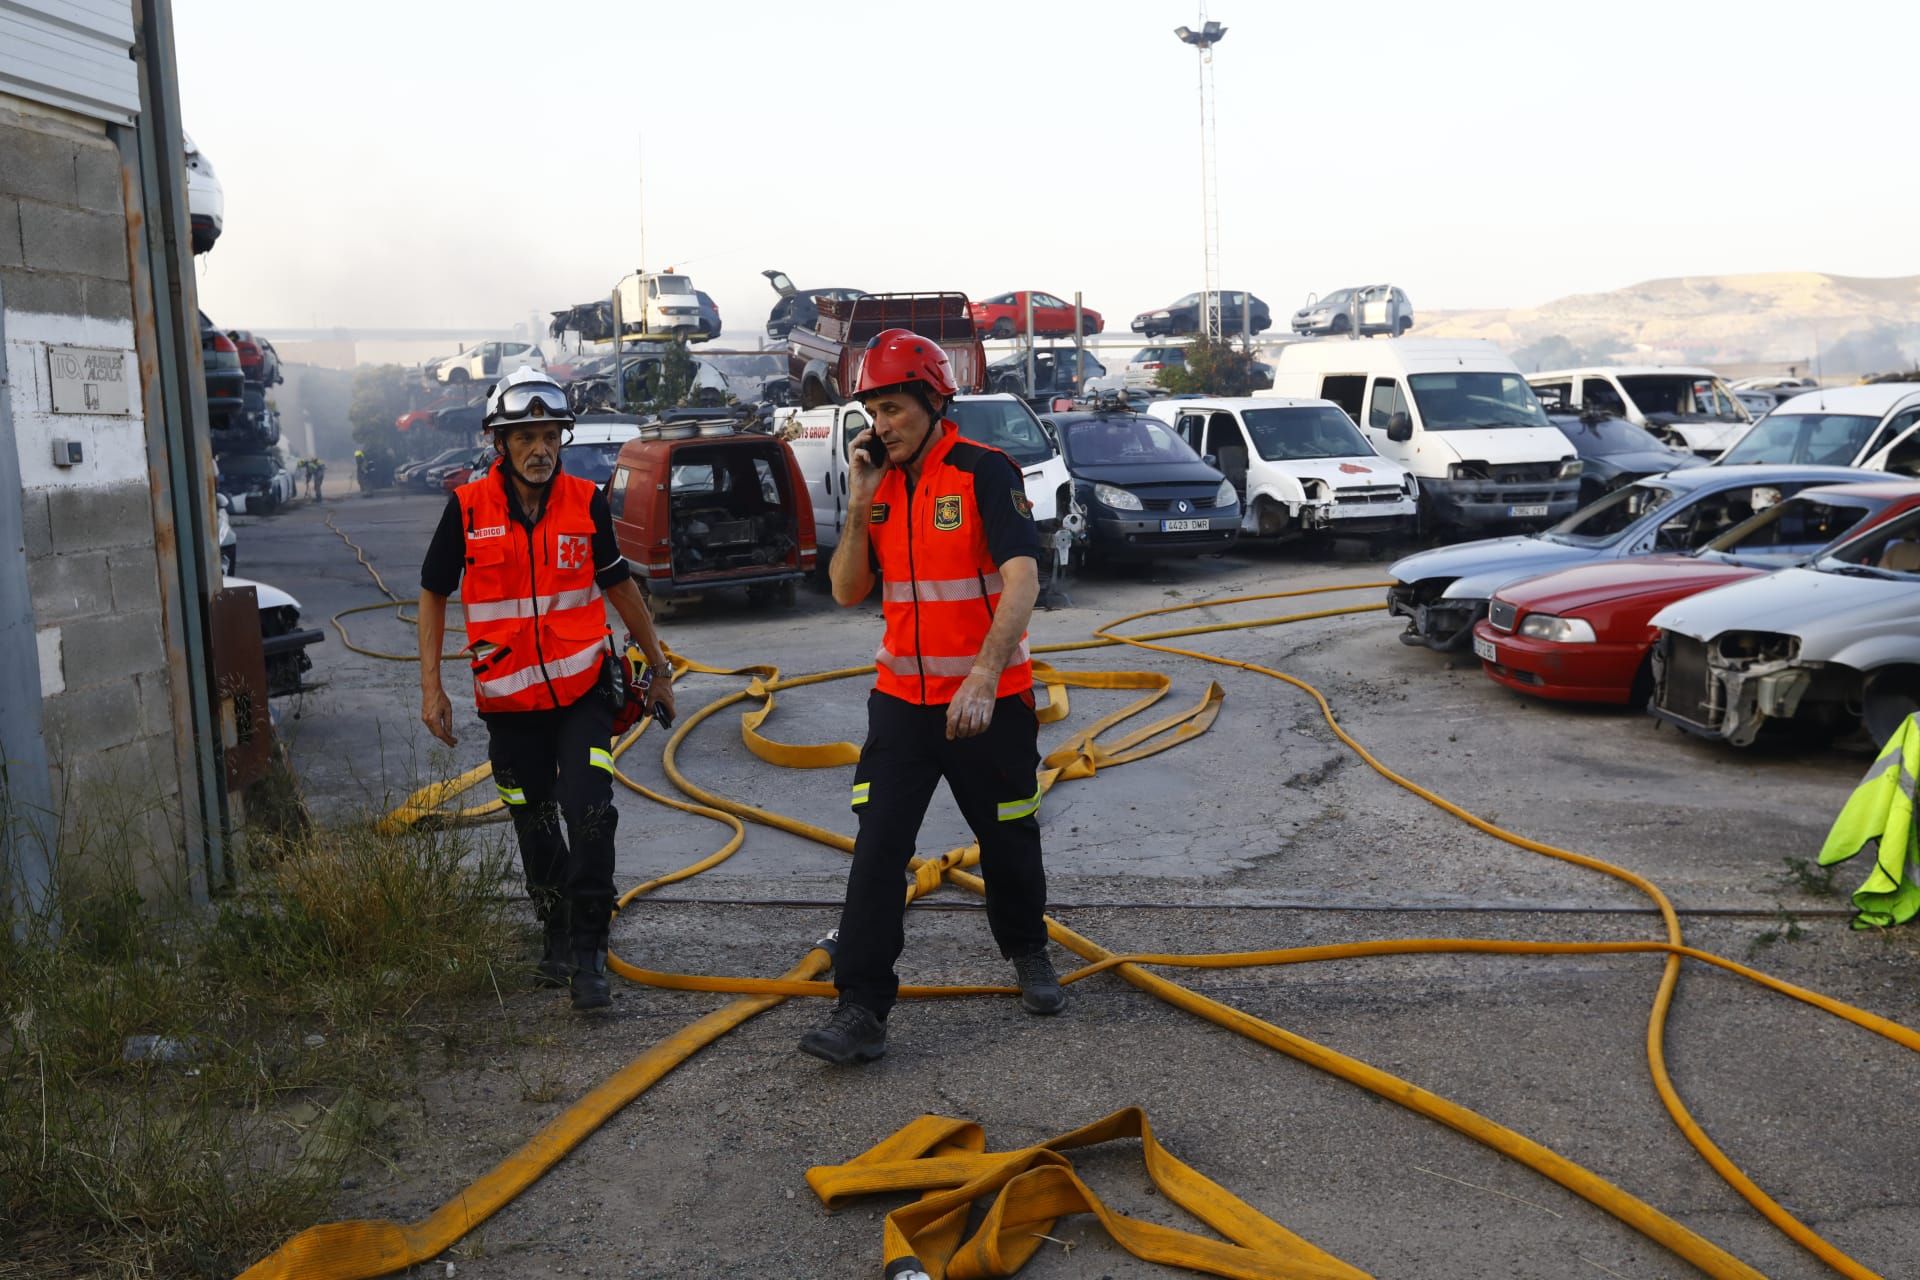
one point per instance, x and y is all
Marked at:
(876, 452)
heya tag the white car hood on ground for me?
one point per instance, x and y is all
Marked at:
(1826, 610)
(1496, 447)
(269, 597)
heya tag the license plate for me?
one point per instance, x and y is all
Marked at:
(1525, 513)
(1185, 526)
(1484, 650)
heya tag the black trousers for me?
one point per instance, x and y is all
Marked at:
(554, 765)
(992, 779)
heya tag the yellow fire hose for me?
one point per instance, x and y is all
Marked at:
(1042, 1188)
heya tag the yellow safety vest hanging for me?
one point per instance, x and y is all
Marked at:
(1881, 809)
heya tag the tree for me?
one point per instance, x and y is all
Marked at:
(379, 398)
(1213, 368)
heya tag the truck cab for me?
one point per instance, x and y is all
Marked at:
(1457, 414)
(1300, 466)
(660, 304)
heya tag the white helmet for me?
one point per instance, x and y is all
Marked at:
(525, 395)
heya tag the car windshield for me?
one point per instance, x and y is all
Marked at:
(1598, 437)
(1805, 520)
(1684, 394)
(1475, 401)
(675, 284)
(592, 462)
(1600, 523)
(1803, 438)
(1192, 299)
(1007, 425)
(1338, 298)
(1891, 550)
(1122, 442)
(1308, 431)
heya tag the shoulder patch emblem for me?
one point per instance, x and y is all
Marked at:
(1022, 505)
(878, 515)
(946, 512)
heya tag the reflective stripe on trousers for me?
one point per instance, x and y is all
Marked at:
(527, 607)
(558, 668)
(909, 665)
(1015, 809)
(860, 793)
(944, 590)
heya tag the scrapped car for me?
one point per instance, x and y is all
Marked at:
(488, 361)
(282, 639)
(800, 307)
(1143, 371)
(1370, 309)
(824, 360)
(255, 483)
(1687, 407)
(1871, 426)
(206, 201)
(1824, 649)
(1298, 466)
(258, 360)
(1586, 634)
(1052, 373)
(1144, 490)
(1613, 452)
(1004, 315)
(1227, 309)
(413, 475)
(226, 381)
(709, 326)
(699, 506)
(1442, 593)
(1758, 404)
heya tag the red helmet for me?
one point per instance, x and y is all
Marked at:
(900, 358)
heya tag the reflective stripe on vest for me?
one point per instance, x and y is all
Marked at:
(536, 620)
(523, 607)
(940, 585)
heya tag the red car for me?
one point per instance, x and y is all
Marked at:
(1006, 315)
(258, 360)
(1582, 634)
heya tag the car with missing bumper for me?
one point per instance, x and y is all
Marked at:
(1442, 593)
(1145, 492)
(1298, 466)
(1613, 452)
(1586, 634)
(1825, 649)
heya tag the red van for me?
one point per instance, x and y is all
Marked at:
(702, 505)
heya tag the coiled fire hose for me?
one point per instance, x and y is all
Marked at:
(945, 1158)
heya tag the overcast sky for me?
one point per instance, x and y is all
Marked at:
(461, 164)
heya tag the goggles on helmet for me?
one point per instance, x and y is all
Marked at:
(531, 400)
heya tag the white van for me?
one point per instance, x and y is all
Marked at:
(1876, 426)
(819, 439)
(1686, 406)
(663, 305)
(1300, 466)
(1457, 414)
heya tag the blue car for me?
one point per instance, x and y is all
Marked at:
(1442, 593)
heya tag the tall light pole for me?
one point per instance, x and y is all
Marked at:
(1203, 40)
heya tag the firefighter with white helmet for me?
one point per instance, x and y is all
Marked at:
(532, 553)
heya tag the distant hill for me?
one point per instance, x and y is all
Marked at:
(1735, 323)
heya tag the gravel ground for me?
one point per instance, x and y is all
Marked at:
(1263, 832)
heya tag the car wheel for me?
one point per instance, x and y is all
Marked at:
(1891, 696)
(813, 395)
(1087, 326)
(1339, 324)
(1404, 325)
(1002, 328)
(458, 375)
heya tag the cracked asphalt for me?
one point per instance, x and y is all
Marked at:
(1263, 832)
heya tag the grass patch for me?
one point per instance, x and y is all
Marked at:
(1810, 877)
(181, 1090)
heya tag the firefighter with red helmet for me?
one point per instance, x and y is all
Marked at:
(531, 551)
(943, 525)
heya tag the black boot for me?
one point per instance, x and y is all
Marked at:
(590, 978)
(852, 1035)
(556, 962)
(1039, 985)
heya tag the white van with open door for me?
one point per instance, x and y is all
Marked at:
(1456, 413)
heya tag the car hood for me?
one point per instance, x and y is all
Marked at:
(1498, 445)
(1515, 556)
(1823, 609)
(1345, 473)
(269, 597)
(1586, 586)
(1651, 462)
(1160, 473)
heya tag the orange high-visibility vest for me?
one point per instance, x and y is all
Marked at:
(535, 617)
(940, 588)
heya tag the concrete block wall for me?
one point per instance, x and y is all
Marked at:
(90, 558)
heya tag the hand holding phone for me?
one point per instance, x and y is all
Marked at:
(876, 451)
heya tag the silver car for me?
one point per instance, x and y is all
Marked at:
(1367, 309)
(1828, 648)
